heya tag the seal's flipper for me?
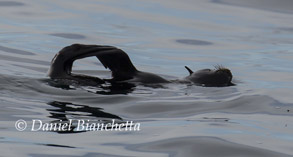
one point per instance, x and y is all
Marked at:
(189, 70)
(123, 69)
(61, 64)
(111, 57)
(118, 62)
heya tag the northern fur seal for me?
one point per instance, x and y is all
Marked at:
(123, 70)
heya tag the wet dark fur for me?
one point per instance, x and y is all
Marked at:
(123, 70)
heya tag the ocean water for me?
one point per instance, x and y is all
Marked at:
(253, 38)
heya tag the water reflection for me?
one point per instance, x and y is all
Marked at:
(94, 87)
(193, 42)
(69, 35)
(282, 6)
(116, 88)
(64, 111)
(10, 4)
(15, 51)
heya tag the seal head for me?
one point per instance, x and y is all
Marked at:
(218, 77)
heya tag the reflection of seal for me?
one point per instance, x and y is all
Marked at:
(122, 68)
(211, 78)
(114, 59)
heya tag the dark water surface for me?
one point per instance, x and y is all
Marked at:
(252, 38)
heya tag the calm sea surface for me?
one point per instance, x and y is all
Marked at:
(253, 38)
